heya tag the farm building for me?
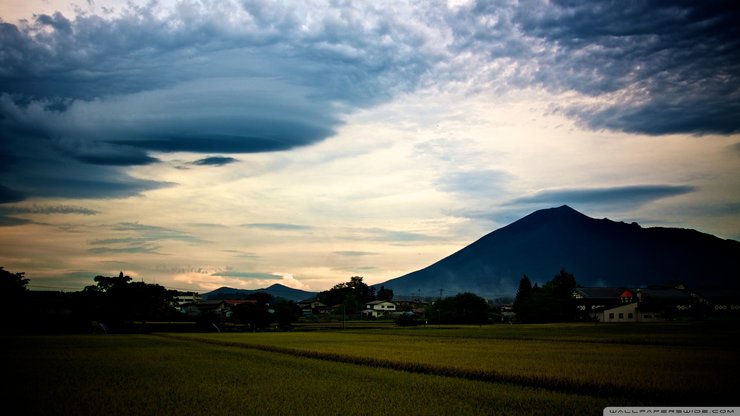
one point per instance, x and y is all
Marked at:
(612, 304)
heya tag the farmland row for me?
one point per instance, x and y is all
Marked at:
(642, 373)
(139, 374)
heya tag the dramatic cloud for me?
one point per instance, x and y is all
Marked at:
(318, 138)
(8, 195)
(91, 95)
(661, 67)
(100, 93)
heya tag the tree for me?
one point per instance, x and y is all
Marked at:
(106, 283)
(525, 289)
(550, 303)
(464, 308)
(286, 312)
(13, 288)
(252, 313)
(12, 284)
(352, 295)
(117, 300)
(563, 284)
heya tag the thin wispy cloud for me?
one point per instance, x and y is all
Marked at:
(277, 226)
(632, 196)
(350, 253)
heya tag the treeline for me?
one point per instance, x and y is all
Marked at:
(353, 295)
(552, 302)
(115, 302)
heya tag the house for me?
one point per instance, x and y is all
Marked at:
(313, 307)
(621, 313)
(378, 308)
(182, 298)
(222, 308)
(630, 312)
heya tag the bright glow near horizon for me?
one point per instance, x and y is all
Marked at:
(247, 144)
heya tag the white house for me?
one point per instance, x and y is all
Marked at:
(621, 313)
(630, 312)
(378, 308)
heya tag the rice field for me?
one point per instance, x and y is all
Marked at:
(556, 369)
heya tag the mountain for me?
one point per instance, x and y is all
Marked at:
(277, 290)
(598, 252)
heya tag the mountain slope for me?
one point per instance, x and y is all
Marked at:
(597, 252)
(277, 290)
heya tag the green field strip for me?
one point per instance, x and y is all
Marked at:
(564, 385)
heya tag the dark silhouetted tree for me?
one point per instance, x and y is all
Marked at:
(464, 308)
(351, 295)
(118, 300)
(12, 284)
(252, 313)
(525, 289)
(550, 303)
(13, 288)
(286, 312)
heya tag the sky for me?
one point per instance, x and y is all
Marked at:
(200, 144)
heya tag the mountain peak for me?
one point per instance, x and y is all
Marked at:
(598, 252)
(561, 210)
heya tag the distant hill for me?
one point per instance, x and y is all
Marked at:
(598, 252)
(277, 290)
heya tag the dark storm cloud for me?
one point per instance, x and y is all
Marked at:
(9, 195)
(102, 92)
(673, 65)
(215, 161)
(92, 95)
(630, 196)
(657, 67)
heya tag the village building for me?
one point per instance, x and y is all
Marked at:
(222, 308)
(313, 307)
(619, 304)
(378, 308)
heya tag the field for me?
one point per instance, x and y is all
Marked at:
(500, 369)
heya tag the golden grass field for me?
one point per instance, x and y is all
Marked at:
(494, 369)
